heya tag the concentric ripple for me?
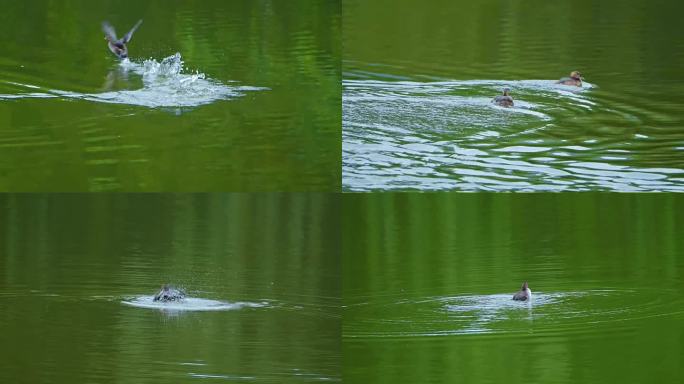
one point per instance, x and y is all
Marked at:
(550, 312)
(408, 135)
(190, 304)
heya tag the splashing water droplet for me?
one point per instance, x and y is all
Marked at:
(164, 86)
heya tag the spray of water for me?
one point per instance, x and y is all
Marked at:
(166, 84)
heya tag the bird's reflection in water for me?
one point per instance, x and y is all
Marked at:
(171, 313)
(118, 79)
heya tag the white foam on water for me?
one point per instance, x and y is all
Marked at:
(491, 304)
(190, 304)
(166, 83)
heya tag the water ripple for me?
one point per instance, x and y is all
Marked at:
(546, 313)
(190, 304)
(410, 135)
(165, 84)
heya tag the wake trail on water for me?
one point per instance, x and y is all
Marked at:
(166, 83)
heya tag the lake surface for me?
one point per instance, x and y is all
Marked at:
(419, 79)
(428, 284)
(217, 96)
(261, 274)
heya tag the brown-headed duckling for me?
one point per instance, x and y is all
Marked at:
(504, 100)
(523, 294)
(574, 79)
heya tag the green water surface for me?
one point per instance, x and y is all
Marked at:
(428, 284)
(285, 137)
(68, 262)
(419, 78)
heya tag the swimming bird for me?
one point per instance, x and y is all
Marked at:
(524, 294)
(169, 293)
(574, 79)
(118, 46)
(504, 100)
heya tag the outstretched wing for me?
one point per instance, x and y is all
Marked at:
(109, 31)
(129, 35)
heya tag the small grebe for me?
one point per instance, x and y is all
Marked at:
(524, 294)
(574, 79)
(504, 100)
(169, 293)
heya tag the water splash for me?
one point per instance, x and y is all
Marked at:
(479, 313)
(190, 304)
(166, 83)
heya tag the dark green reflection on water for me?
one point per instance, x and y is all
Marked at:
(67, 262)
(636, 42)
(286, 138)
(404, 255)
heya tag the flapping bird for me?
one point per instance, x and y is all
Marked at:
(118, 46)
